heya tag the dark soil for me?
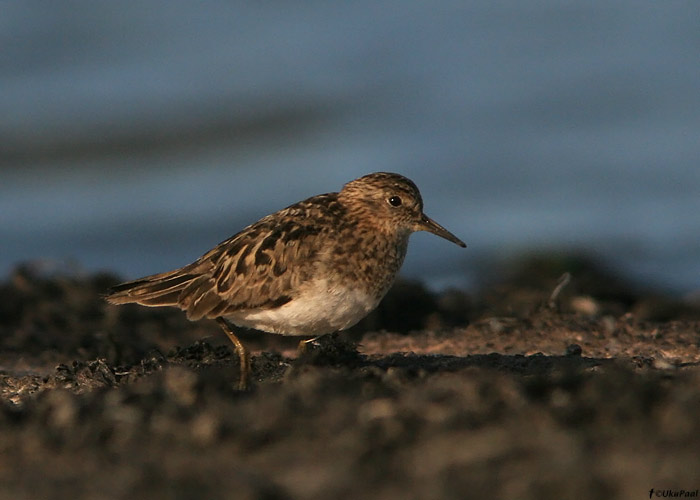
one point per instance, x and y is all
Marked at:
(515, 392)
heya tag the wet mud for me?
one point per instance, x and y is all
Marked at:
(541, 385)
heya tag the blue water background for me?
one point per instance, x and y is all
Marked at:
(136, 135)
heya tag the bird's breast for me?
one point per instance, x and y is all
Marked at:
(367, 260)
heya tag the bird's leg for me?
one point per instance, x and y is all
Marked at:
(303, 344)
(243, 356)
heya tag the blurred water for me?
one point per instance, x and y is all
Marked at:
(134, 136)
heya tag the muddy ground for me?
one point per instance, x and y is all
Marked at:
(592, 391)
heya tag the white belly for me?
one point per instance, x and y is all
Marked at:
(321, 309)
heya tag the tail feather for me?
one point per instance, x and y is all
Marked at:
(157, 290)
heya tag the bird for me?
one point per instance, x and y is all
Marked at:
(316, 267)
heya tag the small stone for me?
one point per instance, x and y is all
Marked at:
(573, 350)
(585, 305)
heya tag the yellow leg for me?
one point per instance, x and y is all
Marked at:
(301, 348)
(243, 357)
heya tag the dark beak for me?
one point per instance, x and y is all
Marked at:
(428, 224)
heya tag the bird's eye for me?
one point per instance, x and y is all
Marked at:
(395, 201)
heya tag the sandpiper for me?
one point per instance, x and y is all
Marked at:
(316, 267)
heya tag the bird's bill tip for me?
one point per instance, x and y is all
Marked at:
(428, 224)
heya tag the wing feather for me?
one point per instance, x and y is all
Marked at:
(261, 266)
